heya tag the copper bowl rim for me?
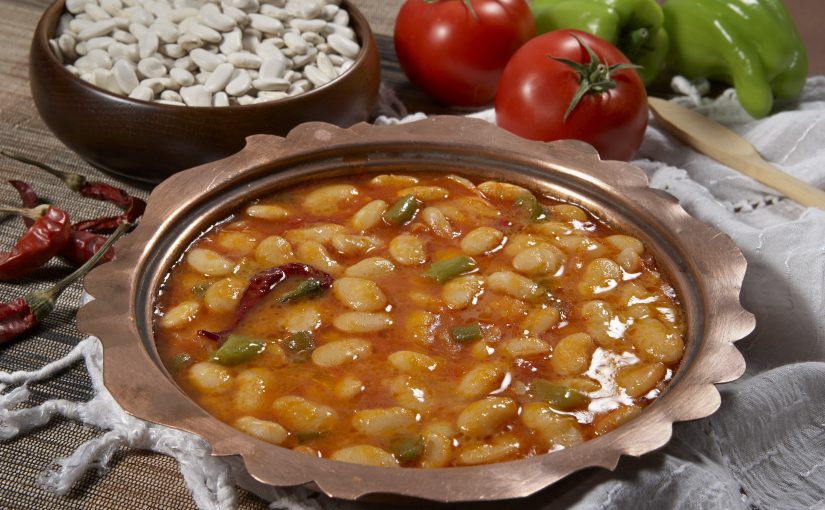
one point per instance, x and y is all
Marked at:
(704, 265)
(359, 25)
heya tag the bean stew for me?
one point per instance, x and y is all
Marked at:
(419, 320)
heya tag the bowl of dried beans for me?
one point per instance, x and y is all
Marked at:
(406, 311)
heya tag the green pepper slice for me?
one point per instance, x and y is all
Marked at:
(310, 287)
(238, 349)
(403, 210)
(407, 449)
(447, 269)
(466, 334)
(299, 346)
(558, 396)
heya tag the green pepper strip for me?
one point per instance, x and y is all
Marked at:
(300, 346)
(466, 334)
(403, 210)
(531, 204)
(447, 269)
(307, 288)
(238, 349)
(557, 395)
(407, 448)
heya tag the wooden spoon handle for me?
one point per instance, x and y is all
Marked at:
(760, 170)
(724, 145)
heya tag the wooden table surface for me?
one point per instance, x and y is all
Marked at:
(135, 479)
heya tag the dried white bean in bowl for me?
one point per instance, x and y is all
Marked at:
(206, 52)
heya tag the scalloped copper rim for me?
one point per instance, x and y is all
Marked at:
(705, 267)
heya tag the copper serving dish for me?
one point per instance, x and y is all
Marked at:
(704, 266)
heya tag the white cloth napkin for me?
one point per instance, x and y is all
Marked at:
(764, 448)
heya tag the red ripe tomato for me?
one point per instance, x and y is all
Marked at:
(535, 91)
(456, 49)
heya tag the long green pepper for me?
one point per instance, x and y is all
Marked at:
(751, 44)
(636, 27)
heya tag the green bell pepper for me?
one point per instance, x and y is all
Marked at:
(751, 44)
(636, 27)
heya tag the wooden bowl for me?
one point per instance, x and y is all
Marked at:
(704, 267)
(151, 141)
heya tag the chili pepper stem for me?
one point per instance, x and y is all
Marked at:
(74, 181)
(41, 302)
(35, 213)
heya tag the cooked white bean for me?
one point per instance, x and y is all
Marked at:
(600, 276)
(209, 263)
(554, 429)
(251, 388)
(369, 216)
(320, 233)
(572, 354)
(486, 417)
(419, 327)
(352, 245)
(425, 193)
(330, 199)
(340, 352)
(463, 291)
(639, 379)
(514, 285)
(264, 430)
(372, 268)
(525, 346)
(438, 223)
(223, 295)
(362, 322)
(315, 254)
(480, 380)
(502, 190)
(540, 320)
(412, 362)
(210, 378)
(408, 250)
(393, 181)
(300, 415)
(180, 315)
(273, 251)
(411, 393)
(541, 259)
(498, 449)
(359, 294)
(384, 422)
(302, 317)
(481, 240)
(365, 454)
(656, 342)
(348, 387)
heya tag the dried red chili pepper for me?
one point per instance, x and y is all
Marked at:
(81, 246)
(105, 225)
(28, 197)
(27, 312)
(44, 239)
(133, 207)
(264, 282)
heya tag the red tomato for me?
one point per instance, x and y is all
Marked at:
(456, 49)
(535, 91)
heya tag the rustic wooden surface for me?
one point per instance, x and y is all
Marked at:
(135, 479)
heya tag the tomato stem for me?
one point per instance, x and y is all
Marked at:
(594, 77)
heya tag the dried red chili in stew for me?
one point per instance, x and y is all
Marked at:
(467, 322)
